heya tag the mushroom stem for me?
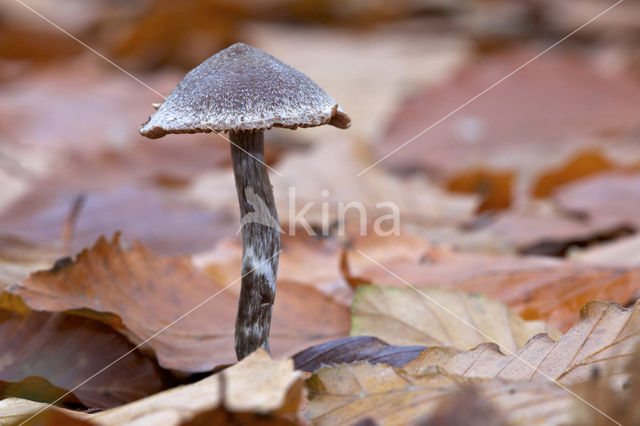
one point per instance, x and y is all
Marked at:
(260, 242)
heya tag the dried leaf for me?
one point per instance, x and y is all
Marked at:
(556, 122)
(15, 410)
(256, 384)
(148, 292)
(152, 293)
(437, 317)
(537, 288)
(348, 393)
(602, 341)
(607, 200)
(47, 354)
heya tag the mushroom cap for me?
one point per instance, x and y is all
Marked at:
(242, 88)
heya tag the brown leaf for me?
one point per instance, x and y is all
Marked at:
(15, 410)
(537, 288)
(151, 293)
(437, 317)
(535, 120)
(163, 220)
(602, 342)
(348, 393)
(542, 230)
(148, 292)
(477, 410)
(353, 349)
(606, 200)
(47, 354)
(257, 384)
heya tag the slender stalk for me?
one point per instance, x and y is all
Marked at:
(260, 242)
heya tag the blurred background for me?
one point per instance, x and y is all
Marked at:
(498, 175)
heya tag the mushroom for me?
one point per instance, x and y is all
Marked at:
(243, 91)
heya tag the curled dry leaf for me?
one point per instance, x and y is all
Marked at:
(257, 384)
(348, 393)
(352, 349)
(46, 354)
(438, 317)
(194, 314)
(601, 343)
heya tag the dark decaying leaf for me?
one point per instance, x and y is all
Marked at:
(353, 349)
(46, 354)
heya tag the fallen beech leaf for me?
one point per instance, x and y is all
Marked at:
(163, 220)
(544, 231)
(150, 293)
(421, 263)
(348, 393)
(404, 316)
(619, 404)
(352, 349)
(525, 125)
(256, 384)
(537, 288)
(47, 354)
(602, 340)
(606, 200)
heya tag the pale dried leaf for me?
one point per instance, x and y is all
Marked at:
(257, 384)
(408, 316)
(602, 342)
(14, 410)
(348, 393)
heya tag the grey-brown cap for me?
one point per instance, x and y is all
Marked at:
(243, 88)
